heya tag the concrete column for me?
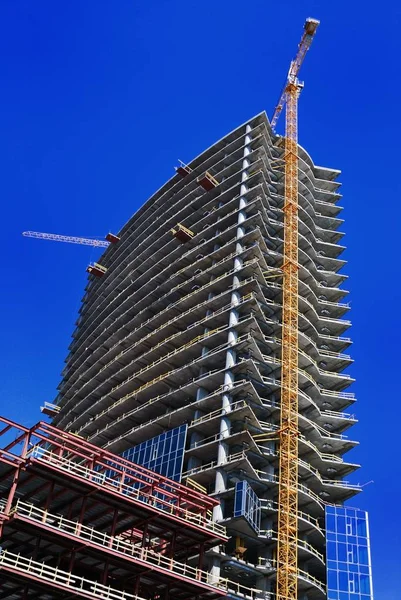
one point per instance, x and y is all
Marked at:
(231, 357)
(196, 436)
(225, 424)
(214, 569)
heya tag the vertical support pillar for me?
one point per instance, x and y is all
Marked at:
(231, 357)
(49, 496)
(200, 561)
(137, 584)
(16, 476)
(105, 574)
(81, 515)
(113, 527)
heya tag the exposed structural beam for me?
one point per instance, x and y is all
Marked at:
(287, 555)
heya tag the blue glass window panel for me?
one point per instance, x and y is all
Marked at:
(331, 523)
(365, 584)
(332, 582)
(247, 504)
(343, 581)
(163, 454)
(341, 525)
(361, 527)
(331, 551)
(348, 556)
(342, 552)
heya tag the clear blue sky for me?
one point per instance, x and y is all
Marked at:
(98, 101)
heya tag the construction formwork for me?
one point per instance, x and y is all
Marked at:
(185, 328)
(76, 519)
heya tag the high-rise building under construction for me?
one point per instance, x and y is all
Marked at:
(176, 358)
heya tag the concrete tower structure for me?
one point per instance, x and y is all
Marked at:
(175, 360)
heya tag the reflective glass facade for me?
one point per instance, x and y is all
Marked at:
(163, 453)
(247, 504)
(349, 575)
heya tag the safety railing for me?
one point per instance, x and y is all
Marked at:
(277, 361)
(320, 336)
(323, 413)
(272, 505)
(163, 358)
(221, 310)
(329, 303)
(331, 482)
(201, 288)
(157, 379)
(170, 291)
(159, 313)
(272, 535)
(214, 463)
(116, 544)
(27, 567)
(320, 351)
(322, 391)
(271, 563)
(95, 330)
(309, 219)
(219, 412)
(131, 491)
(272, 478)
(322, 455)
(165, 396)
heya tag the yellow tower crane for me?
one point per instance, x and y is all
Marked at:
(287, 555)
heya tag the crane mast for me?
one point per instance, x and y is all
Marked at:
(287, 555)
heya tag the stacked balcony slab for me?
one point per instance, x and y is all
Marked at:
(189, 333)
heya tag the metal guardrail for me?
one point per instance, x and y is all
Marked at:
(63, 579)
(272, 505)
(161, 378)
(272, 535)
(154, 500)
(272, 564)
(71, 582)
(218, 390)
(205, 286)
(114, 543)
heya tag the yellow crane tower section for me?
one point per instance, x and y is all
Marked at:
(287, 556)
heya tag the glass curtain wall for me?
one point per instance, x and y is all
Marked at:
(349, 575)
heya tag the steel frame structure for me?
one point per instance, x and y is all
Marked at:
(77, 518)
